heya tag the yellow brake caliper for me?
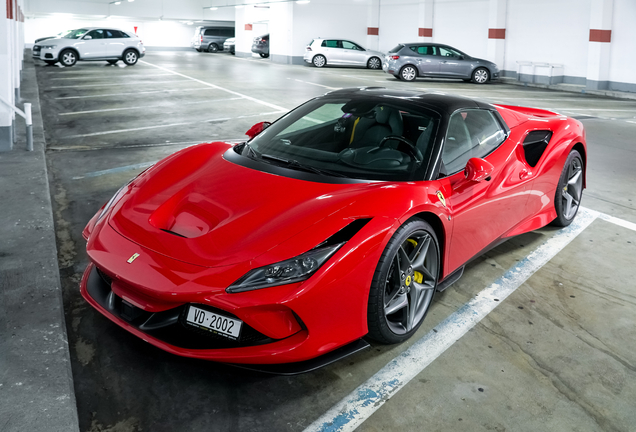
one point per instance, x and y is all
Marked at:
(417, 276)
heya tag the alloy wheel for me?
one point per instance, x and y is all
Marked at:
(374, 63)
(480, 76)
(410, 282)
(571, 193)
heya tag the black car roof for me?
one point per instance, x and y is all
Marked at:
(442, 103)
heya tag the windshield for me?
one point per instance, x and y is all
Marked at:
(369, 138)
(75, 34)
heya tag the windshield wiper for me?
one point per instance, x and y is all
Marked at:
(294, 164)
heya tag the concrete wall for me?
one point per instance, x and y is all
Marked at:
(11, 56)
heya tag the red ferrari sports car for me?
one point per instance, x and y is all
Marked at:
(338, 221)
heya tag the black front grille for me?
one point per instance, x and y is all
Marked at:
(168, 326)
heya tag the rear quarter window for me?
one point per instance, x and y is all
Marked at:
(396, 49)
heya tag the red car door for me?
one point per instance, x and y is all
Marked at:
(482, 211)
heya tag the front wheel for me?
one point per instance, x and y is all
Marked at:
(68, 58)
(263, 55)
(404, 283)
(569, 191)
(480, 76)
(131, 57)
(374, 63)
(408, 73)
(319, 61)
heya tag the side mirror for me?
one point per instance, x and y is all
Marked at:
(478, 169)
(257, 128)
(87, 37)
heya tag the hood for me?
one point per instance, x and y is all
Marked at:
(199, 208)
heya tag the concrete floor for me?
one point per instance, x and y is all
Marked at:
(556, 355)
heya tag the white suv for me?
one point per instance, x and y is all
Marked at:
(91, 43)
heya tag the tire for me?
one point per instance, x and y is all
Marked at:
(68, 58)
(112, 61)
(212, 48)
(404, 283)
(567, 199)
(50, 62)
(263, 55)
(374, 63)
(319, 61)
(408, 73)
(480, 76)
(130, 57)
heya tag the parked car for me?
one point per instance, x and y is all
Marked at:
(321, 52)
(211, 39)
(91, 44)
(261, 45)
(229, 45)
(411, 60)
(362, 203)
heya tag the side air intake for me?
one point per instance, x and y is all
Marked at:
(535, 144)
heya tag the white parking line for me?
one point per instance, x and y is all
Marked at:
(276, 107)
(115, 84)
(146, 107)
(93, 77)
(315, 84)
(360, 404)
(168, 125)
(618, 221)
(132, 93)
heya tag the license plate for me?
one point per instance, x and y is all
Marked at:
(215, 323)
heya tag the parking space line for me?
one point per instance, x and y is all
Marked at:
(146, 107)
(115, 85)
(253, 99)
(315, 84)
(618, 221)
(168, 125)
(133, 93)
(92, 77)
(360, 404)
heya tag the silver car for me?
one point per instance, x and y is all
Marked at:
(411, 60)
(321, 52)
(90, 43)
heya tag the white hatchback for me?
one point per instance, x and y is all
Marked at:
(91, 43)
(321, 52)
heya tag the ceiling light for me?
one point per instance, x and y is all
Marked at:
(302, 1)
(130, 1)
(213, 8)
(115, 2)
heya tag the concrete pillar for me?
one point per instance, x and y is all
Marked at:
(497, 32)
(6, 81)
(599, 48)
(373, 25)
(425, 20)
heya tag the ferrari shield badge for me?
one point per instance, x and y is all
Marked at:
(440, 195)
(132, 258)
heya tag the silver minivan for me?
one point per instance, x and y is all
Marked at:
(211, 39)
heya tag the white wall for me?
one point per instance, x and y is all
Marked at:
(462, 24)
(560, 36)
(398, 24)
(623, 46)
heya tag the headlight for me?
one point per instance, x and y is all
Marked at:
(118, 195)
(48, 46)
(285, 272)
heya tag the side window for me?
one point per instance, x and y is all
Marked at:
(96, 34)
(227, 32)
(424, 49)
(212, 32)
(471, 133)
(330, 43)
(113, 34)
(350, 45)
(448, 52)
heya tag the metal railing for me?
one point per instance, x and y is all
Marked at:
(26, 114)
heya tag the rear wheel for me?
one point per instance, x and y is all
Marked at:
(404, 283)
(569, 191)
(319, 61)
(374, 63)
(408, 73)
(480, 76)
(263, 55)
(212, 48)
(112, 61)
(68, 58)
(130, 57)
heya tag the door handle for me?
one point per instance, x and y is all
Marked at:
(524, 174)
